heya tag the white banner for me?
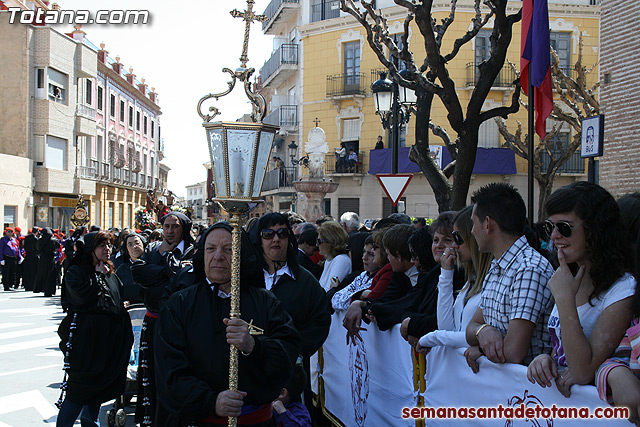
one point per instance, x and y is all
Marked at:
(369, 384)
(451, 383)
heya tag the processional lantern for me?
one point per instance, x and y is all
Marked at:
(240, 153)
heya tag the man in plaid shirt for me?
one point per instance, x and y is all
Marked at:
(511, 323)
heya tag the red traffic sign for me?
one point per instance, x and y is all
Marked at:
(394, 185)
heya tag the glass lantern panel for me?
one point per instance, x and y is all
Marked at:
(240, 144)
(409, 96)
(264, 150)
(216, 150)
(382, 101)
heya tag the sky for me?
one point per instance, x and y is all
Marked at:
(181, 52)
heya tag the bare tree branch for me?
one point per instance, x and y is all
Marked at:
(478, 23)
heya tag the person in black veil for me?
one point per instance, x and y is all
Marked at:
(47, 275)
(95, 335)
(133, 246)
(194, 333)
(154, 272)
(30, 260)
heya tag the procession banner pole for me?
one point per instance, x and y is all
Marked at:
(234, 313)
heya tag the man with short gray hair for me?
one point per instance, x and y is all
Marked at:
(350, 221)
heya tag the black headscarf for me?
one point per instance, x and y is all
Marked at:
(249, 274)
(266, 221)
(185, 222)
(125, 251)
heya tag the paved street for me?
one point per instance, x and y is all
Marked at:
(30, 361)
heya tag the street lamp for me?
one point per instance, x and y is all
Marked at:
(386, 97)
(239, 153)
(293, 152)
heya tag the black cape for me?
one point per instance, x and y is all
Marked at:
(192, 355)
(102, 340)
(30, 262)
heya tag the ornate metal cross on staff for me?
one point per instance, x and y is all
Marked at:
(249, 17)
(239, 155)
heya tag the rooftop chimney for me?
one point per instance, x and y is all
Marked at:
(102, 54)
(131, 77)
(78, 34)
(117, 66)
(143, 87)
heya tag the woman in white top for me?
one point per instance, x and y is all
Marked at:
(453, 317)
(591, 288)
(332, 244)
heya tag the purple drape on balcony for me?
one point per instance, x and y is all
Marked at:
(489, 161)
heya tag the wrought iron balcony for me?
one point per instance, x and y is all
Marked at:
(325, 9)
(504, 79)
(279, 13)
(282, 65)
(345, 85)
(277, 179)
(575, 164)
(285, 116)
(333, 165)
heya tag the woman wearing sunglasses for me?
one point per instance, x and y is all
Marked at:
(592, 287)
(332, 244)
(453, 317)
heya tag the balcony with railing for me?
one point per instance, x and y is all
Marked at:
(285, 116)
(347, 85)
(504, 79)
(277, 180)
(325, 9)
(85, 120)
(333, 164)
(279, 13)
(575, 164)
(86, 172)
(282, 65)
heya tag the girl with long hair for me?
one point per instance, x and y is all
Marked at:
(453, 317)
(592, 287)
(95, 335)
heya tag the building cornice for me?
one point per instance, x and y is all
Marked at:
(121, 83)
(464, 6)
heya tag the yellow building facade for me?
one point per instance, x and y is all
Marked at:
(336, 68)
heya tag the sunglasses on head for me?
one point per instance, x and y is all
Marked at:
(564, 228)
(457, 238)
(269, 234)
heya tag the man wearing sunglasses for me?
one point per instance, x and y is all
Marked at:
(297, 289)
(510, 324)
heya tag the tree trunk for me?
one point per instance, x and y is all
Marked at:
(546, 185)
(467, 147)
(420, 153)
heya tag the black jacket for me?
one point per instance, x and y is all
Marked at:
(308, 305)
(192, 355)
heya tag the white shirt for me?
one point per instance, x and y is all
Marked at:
(271, 279)
(339, 266)
(413, 274)
(453, 317)
(221, 294)
(588, 314)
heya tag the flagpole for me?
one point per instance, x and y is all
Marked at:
(532, 137)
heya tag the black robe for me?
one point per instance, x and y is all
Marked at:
(131, 290)
(102, 340)
(192, 355)
(47, 275)
(30, 262)
(308, 305)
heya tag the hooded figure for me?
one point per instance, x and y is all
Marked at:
(154, 273)
(297, 289)
(47, 276)
(96, 334)
(193, 339)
